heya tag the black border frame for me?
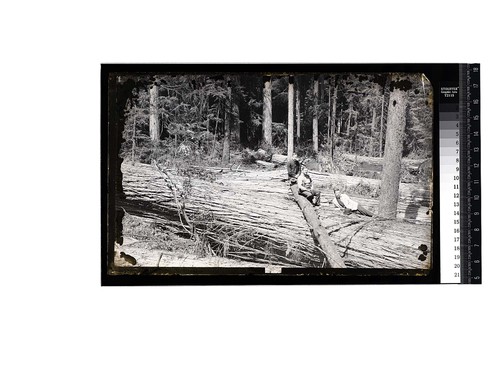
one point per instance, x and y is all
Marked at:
(110, 164)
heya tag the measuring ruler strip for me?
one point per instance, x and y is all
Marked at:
(459, 178)
(470, 188)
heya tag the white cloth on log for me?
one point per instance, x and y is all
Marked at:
(345, 202)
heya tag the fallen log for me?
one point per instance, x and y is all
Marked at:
(376, 242)
(321, 235)
(265, 164)
(408, 193)
(253, 217)
(245, 218)
(412, 164)
(279, 159)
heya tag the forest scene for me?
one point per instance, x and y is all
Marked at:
(275, 170)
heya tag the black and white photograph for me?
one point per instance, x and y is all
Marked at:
(272, 170)
(198, 187)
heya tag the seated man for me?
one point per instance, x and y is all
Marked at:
(306, 187)
(343, 201)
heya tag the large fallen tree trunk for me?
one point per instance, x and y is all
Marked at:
(253, 216)
(251, 219)
(331, 251)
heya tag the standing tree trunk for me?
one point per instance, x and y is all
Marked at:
(235, 114)
(333, 116)
(290, 118)
(381, 135)
(315, 116)
(329, 122)
(154, 121)
(396, 123)
(340, 121)
(267, 114)
(297, 107)
(348, 130)
(354, 134)
(235, 119)
(227, 124)
(372, 131)
(133, 137)
(215, 131)
(385, 91)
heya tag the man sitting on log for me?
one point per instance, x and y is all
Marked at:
(306, 187)
(349, 206)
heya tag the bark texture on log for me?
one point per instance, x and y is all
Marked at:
(265, 164)
(331, 251)
(254, 213)
(279, 159)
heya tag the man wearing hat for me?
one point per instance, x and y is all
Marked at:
(306, 187)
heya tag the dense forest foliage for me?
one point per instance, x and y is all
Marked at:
(211, 118)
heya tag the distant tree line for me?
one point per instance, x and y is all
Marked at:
(212, 113)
